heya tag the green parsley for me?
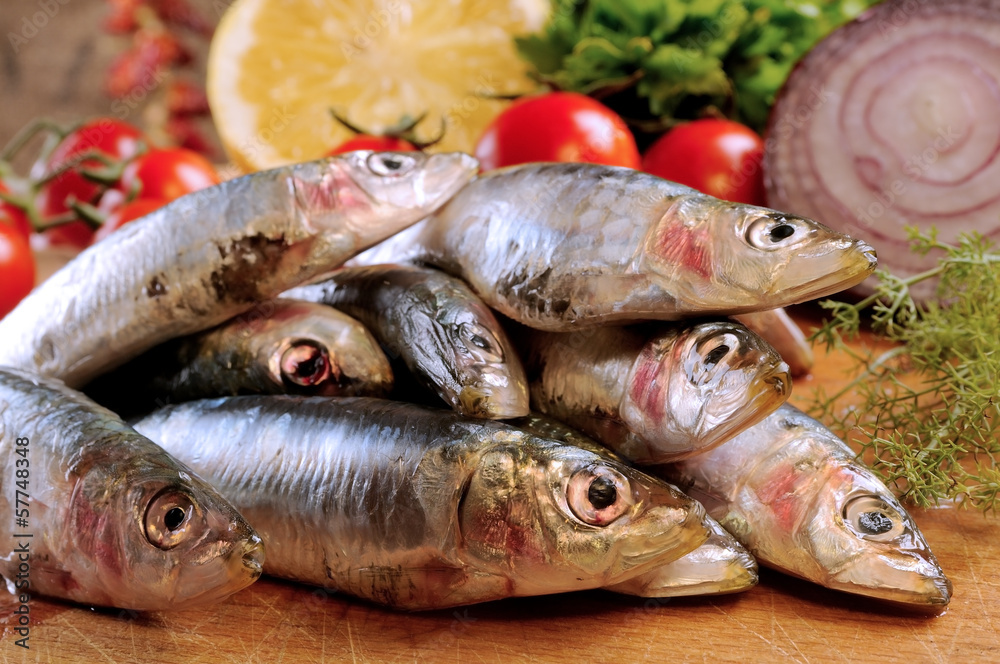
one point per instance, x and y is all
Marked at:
(658, 61)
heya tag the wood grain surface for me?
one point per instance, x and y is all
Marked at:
(782, 619)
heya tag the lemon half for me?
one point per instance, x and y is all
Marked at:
(277, 67)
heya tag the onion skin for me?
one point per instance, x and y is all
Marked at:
(891, 121)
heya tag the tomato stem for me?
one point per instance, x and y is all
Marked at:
(28, 132)
(404, 129)
(88, 213)
(106, 176)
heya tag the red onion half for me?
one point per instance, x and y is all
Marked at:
(894, 120)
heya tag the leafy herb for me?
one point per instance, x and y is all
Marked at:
(656, 62)
(927, 411)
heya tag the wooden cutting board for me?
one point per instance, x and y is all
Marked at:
(782, 619)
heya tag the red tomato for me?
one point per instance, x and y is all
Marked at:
(379, 143)
(11, 215)
(128, 212)
(118, 140)
(720, 158)
(168, 174)
(17, 268)
(558, 126)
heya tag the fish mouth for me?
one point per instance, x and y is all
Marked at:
(214, 581)
(672, 530)
(780, 383)
(920, 583)
(828, 274)
(492, 403)
(769, 391)
(251, 562)
(719, 566)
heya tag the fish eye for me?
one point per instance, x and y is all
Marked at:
(305, 363)
(872, 518)
(715, 355)
(391, 164)
(774, 232)
(780, 232)
(598, 495)
(480, 342)
(171, 518)
(709, 353)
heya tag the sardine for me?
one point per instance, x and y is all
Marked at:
(556, 246)
(658, 392)
(719, 566)
(794, 495)
(446, 336)
(213, 254)
(104, 516)
(279, 347)
(420, 508)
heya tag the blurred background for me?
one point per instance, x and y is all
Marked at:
(59, 70)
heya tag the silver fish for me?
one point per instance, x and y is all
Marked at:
(719, 566)
(556, 246)
(279, 347)
(446, 336)
(213, 254)
(420, 508)
(659, 392)
(113, 519)
(794, 495)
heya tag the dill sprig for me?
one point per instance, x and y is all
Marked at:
(924, 410)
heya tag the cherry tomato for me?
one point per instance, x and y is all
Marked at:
(720, 158)
(140, 207)
(380, 143)
(168, 173)
(558, 126)
(17, 268)
(11, 215)
(116, 139)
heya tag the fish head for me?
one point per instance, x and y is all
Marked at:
(724, 257)
(379, 193)
(822, 516)
(163, 539)
(554, 518)
(719, 566)
(695, 385)
(315, 350)
(871, 546)
(489, 379)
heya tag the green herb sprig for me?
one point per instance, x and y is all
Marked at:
(927, 411)
(655, 63)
